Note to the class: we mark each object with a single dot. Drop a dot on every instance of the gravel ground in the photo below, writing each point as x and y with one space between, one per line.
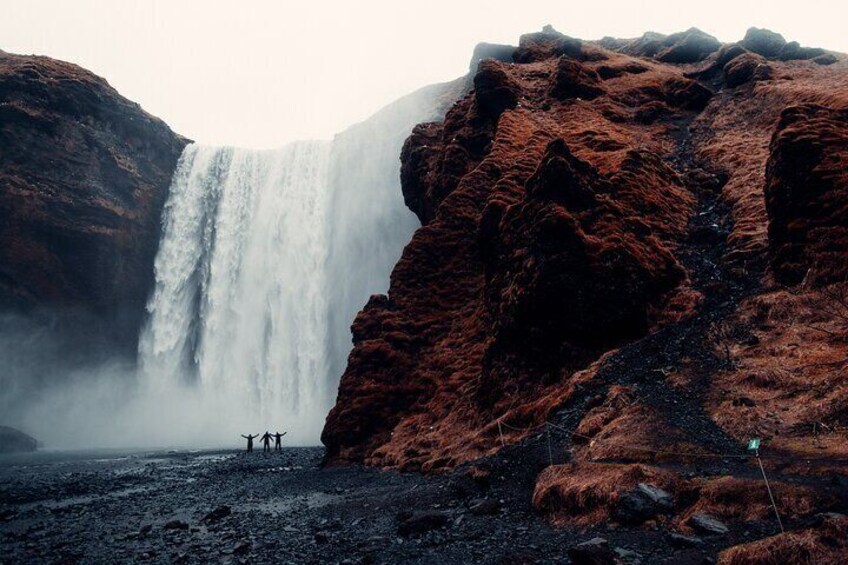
107 507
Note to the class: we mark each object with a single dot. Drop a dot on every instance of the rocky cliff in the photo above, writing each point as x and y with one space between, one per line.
84 174
633 251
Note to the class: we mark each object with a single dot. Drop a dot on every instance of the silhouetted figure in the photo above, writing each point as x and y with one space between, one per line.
278 446
250 439
266 442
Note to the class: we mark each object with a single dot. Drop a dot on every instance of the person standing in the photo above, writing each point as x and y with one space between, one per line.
278 446
250 439
266 442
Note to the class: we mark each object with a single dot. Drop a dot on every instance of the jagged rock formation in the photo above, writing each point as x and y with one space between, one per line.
550 228
605 226
84 174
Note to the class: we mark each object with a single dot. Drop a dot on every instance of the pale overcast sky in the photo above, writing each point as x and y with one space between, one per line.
261 73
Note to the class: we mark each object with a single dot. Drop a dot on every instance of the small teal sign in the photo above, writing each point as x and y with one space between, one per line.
753 444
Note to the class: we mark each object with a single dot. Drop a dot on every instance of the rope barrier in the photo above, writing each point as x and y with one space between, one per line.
768 488
548 425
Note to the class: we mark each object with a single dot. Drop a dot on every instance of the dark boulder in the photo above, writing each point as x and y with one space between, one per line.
679 540
763 42
826 59
484 506
217 514
707 524
411 523
729 52
793 50
690 46
642 503
595 551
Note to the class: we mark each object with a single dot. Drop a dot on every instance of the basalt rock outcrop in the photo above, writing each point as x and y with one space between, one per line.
634 252
84 174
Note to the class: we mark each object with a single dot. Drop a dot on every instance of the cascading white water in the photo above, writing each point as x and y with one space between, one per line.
239 308
265 258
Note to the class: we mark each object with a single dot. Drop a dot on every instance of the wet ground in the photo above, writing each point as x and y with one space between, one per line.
227 506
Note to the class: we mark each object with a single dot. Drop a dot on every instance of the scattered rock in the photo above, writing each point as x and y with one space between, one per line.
707 524
175 525
596 551
679 540
321 537
627 555
642 503
217 514
420 522
242 548
145 529
484 506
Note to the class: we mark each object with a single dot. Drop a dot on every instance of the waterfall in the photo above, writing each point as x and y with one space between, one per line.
240 305
265 258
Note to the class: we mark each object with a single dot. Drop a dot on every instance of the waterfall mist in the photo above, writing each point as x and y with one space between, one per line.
238 316
264 259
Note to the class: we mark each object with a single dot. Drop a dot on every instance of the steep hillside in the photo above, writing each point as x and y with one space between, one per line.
84 174
633 251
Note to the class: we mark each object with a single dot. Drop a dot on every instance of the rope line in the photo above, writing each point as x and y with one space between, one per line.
771 496
548 425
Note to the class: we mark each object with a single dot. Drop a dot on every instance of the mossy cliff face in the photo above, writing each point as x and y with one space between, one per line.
84 174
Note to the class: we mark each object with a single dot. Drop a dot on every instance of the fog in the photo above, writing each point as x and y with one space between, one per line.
264 259
263 73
